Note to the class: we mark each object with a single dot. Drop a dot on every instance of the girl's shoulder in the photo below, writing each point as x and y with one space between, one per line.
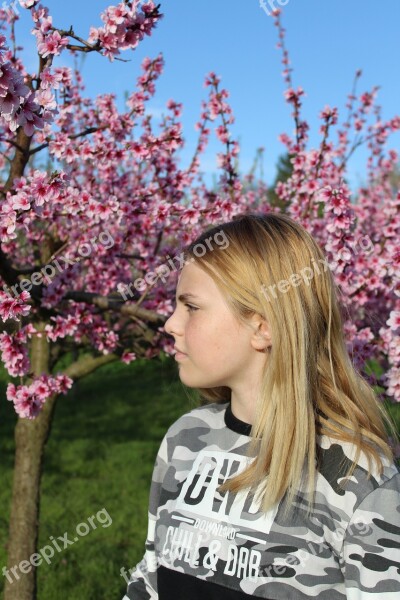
336 457
199 420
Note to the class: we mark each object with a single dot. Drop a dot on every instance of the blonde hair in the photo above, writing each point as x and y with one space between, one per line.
309 386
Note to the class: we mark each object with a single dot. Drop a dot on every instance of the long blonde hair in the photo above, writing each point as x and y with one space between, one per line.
310 386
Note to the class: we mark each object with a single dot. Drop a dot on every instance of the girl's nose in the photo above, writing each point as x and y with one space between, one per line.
168 324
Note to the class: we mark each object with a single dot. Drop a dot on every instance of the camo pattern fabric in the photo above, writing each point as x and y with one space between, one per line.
349 547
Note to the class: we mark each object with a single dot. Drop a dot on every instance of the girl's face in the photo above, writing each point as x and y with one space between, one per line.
219 350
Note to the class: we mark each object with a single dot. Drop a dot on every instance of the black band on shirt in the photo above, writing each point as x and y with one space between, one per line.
175 585
234 423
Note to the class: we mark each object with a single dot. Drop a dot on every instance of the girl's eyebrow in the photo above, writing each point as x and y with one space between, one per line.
186 296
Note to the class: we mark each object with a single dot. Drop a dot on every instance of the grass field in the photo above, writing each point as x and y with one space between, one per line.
100 455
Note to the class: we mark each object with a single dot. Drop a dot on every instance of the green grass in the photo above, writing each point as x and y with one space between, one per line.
101 452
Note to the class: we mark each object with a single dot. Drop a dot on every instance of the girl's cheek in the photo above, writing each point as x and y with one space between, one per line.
192 329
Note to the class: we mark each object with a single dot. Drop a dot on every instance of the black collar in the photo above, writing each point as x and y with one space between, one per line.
236 424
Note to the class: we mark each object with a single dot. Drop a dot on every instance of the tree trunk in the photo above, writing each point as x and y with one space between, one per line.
30 441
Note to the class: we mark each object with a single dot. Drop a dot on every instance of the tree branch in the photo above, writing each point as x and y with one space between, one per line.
86 47
71 137
87 364
117 304
12 143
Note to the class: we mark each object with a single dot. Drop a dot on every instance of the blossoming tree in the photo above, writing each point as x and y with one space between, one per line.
112 203
361 237
115 202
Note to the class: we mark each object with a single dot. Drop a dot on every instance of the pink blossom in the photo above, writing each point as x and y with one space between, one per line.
20 202
29 399
124 27
128 357
45 25
8 220
14 353
93 35
12 91
126 177
29 116
13 308
393 382
60 384
222 133
176 107
367 99
293 96
329 114
118 13
63 327
190 217
211 80
27 405
46 98
394 320
28 3
53 44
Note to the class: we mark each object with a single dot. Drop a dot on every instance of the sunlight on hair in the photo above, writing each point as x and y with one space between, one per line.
310 387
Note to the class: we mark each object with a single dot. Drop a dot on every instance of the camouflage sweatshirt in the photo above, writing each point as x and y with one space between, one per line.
218 546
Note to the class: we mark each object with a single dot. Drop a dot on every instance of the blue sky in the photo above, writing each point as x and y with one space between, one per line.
327 42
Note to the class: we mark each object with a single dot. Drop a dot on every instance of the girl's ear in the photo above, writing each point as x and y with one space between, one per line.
261 337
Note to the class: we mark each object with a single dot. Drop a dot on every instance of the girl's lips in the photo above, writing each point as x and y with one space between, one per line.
179 355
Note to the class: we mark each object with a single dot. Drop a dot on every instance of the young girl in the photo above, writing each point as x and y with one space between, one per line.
281 484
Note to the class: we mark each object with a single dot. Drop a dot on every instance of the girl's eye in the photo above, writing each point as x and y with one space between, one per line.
190 307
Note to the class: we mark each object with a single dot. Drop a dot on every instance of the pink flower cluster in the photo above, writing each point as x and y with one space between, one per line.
13 91
14 352
124 27
53 79
116 171
317 196
216 107
49 41
51 44
28 3
31 192
62 327
29 399
14 307
391 338
128 357
19 106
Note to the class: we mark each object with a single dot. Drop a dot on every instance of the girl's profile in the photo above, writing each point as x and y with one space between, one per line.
281 482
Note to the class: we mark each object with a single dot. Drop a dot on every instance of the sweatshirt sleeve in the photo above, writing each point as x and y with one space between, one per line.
371 548
143 578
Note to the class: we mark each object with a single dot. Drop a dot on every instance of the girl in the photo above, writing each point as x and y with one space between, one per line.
281 484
